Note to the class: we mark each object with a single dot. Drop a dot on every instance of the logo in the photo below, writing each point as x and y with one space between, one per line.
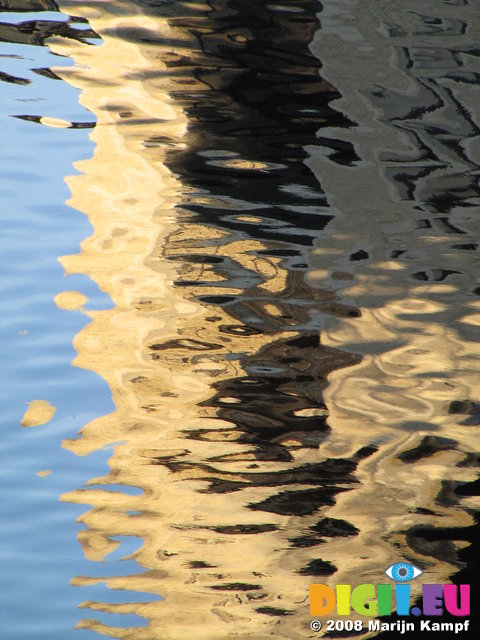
383 599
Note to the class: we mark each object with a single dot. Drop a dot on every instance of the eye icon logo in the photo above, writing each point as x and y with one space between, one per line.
403 572
376 600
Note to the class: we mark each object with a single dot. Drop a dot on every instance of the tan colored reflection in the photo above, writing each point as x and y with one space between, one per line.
159 351
213 579
39 412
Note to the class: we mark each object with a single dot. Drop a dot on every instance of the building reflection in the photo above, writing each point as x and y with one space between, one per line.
282 385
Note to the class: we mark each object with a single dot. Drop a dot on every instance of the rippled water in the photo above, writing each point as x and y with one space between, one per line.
277 285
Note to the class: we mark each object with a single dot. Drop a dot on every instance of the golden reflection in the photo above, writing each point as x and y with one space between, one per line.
213 560
39 412
44 474
230 559
56 123
70 300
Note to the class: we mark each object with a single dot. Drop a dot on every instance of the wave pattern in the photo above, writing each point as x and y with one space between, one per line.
403 248
277 200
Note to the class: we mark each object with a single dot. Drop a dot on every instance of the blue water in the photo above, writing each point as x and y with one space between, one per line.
39 551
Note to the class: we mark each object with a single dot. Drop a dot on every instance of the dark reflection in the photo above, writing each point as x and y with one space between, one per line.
7 77
286 378
47 73
427 447
254 99
436 121
36 32
20 6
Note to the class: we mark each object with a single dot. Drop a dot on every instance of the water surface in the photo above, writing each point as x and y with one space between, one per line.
281 200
